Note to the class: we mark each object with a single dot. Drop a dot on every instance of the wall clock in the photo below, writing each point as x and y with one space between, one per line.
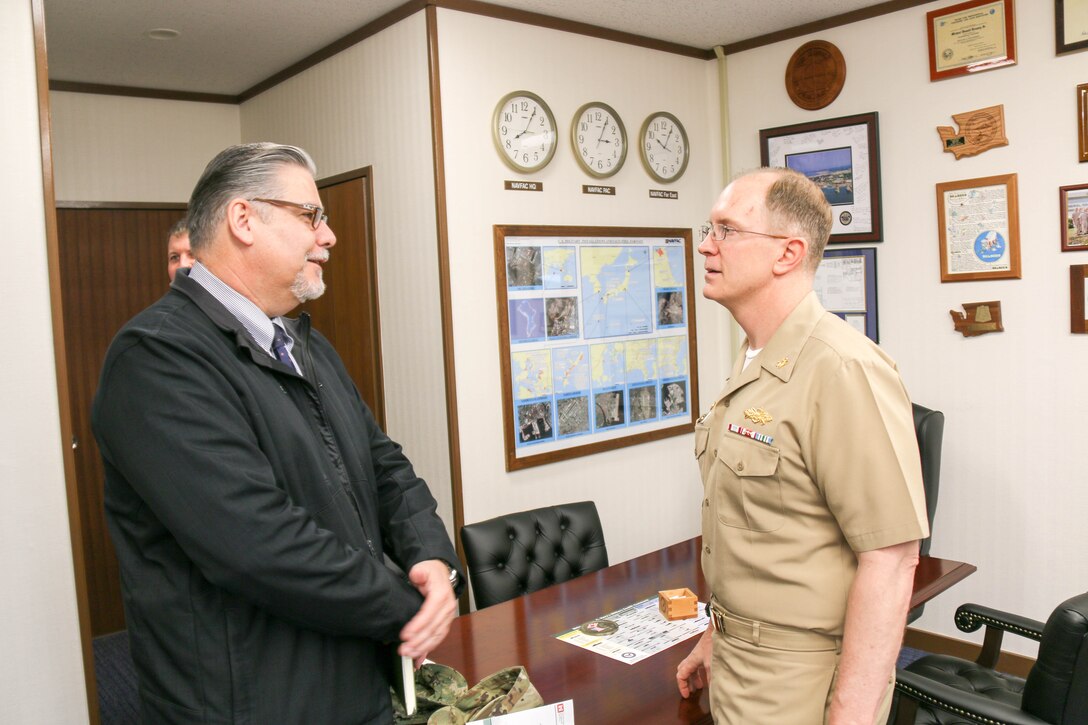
524 131
599 139
663 145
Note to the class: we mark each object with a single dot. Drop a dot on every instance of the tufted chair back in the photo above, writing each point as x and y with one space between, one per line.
1056 690
929 429
522 552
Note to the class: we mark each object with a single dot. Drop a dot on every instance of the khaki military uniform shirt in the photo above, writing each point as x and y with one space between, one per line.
808 456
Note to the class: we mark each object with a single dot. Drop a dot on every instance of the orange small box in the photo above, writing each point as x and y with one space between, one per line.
677 604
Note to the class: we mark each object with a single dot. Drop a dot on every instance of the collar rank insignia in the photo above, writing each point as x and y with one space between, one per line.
758 416
782 363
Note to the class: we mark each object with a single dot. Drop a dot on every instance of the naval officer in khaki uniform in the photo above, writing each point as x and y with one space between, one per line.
813 502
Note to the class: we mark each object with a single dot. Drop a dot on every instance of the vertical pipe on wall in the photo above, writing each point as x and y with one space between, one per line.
734 336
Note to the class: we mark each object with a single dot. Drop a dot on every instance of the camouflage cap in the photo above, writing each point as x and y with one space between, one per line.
444 698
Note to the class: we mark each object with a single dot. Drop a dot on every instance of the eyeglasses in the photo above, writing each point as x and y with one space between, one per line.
719 232
316 214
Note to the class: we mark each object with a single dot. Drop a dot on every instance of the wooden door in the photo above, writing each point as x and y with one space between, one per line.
347 313
112 265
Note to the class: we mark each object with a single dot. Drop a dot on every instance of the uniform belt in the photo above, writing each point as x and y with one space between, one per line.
770 635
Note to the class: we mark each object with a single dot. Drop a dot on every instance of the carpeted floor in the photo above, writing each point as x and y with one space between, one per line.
117 698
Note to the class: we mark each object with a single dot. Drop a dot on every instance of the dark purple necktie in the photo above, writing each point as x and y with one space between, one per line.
279 347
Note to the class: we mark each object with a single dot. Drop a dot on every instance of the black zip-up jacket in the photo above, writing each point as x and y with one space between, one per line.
250 508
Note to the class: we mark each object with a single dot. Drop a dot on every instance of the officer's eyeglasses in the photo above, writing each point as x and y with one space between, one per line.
719 232
316 214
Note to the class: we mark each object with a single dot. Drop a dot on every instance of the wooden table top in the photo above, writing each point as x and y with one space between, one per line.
522 632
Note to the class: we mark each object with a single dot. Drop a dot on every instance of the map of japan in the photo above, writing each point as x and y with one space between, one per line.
617 296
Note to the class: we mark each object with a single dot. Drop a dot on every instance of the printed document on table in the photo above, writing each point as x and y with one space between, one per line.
561 713
634 633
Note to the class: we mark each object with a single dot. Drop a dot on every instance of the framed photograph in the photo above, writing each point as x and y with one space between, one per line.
979 227
596 339
1082 120
1071 25
1078 298
970 37
842 155
1073 203
846 285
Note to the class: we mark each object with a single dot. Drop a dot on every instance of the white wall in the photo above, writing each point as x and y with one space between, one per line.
1012 497
648 495
369 106
41 671
114 148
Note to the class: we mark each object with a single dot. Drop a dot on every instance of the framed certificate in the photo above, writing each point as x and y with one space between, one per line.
1071 25
979 227
1082 120
970 37
842 156
846 285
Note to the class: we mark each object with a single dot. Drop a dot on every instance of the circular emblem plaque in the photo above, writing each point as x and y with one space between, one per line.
815 75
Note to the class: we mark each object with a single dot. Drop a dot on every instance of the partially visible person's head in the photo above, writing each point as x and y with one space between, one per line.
256 213
178 253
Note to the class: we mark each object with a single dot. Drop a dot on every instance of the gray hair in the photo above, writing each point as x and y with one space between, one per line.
181 226
247 170
797 206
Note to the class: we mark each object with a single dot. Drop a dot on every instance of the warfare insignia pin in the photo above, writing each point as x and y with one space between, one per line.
758 416
782 363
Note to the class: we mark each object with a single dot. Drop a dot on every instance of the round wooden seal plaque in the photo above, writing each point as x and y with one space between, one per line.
815 74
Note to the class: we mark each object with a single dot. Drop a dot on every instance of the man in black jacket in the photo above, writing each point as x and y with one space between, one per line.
250 494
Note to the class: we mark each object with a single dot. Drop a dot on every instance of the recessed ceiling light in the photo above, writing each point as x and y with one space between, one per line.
163 34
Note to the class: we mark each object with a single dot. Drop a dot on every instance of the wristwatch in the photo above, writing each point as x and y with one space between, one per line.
455 578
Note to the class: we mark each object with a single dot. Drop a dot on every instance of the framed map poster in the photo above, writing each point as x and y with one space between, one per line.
596 338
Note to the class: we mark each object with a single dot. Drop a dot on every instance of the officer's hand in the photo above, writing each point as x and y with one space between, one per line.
429 627
693 673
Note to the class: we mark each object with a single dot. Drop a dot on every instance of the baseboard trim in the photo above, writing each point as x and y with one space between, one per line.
1008 662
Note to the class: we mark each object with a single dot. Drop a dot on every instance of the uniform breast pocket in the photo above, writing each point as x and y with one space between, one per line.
750 492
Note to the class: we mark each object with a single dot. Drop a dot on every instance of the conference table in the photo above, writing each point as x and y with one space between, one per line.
522 632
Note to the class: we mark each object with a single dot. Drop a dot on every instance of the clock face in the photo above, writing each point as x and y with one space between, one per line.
524 131
664 147
599 139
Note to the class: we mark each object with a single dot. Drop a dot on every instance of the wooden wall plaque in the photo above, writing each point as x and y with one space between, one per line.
815 75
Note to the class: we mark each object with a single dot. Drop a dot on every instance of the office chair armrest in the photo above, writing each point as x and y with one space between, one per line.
970 706
969 617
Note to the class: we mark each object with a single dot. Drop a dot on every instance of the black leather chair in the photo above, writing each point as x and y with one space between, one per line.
945 690
929 429
522 552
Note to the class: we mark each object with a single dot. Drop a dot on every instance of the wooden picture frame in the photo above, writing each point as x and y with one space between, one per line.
1078 299
971 37
846 285
978 222
1070 25
597 339
1082 121
850 147
1073 208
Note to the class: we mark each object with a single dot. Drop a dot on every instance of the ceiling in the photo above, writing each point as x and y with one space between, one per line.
229 47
